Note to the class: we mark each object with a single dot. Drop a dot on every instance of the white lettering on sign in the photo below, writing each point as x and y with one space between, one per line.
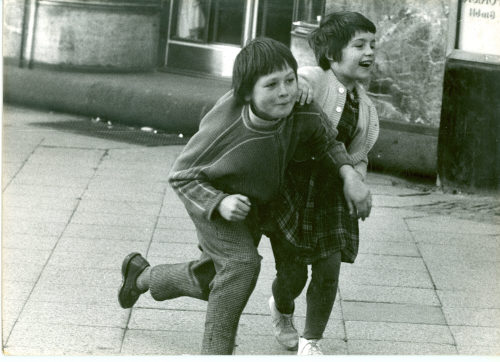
479 28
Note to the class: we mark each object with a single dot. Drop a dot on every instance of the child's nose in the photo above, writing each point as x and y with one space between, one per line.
283 90
369 50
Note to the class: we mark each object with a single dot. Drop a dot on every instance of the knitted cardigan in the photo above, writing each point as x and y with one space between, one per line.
330 95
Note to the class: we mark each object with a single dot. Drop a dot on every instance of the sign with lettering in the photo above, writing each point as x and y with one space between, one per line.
479 27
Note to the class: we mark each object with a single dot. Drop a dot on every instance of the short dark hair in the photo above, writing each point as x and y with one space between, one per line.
334 33
259 57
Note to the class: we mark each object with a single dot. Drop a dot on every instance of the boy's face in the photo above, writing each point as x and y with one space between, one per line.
273 95
358 58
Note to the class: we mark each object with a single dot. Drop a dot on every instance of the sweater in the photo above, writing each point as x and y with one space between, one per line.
231 154
330 94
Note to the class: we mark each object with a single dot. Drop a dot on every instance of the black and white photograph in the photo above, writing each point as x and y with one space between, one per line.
267 178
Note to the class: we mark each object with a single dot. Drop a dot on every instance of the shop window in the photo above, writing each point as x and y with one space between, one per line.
209 21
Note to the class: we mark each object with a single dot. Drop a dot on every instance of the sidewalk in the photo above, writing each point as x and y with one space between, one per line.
74 204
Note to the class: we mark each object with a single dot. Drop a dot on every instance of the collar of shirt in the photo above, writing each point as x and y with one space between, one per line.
258 124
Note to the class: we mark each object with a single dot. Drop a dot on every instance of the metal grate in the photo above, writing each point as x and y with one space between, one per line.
117 132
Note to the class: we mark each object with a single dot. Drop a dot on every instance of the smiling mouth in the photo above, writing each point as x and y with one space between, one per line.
366 63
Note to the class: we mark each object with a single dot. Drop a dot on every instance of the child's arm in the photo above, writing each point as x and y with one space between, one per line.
325 144
356 193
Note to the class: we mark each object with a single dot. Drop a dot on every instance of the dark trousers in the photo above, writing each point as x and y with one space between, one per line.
225 275
291 278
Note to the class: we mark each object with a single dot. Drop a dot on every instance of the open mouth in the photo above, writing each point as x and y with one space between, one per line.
366 63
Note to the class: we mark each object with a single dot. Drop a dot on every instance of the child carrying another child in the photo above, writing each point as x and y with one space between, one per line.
226 176
315 224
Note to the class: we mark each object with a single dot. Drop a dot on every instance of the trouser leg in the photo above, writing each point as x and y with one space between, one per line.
321 295
233 250
191 279
291 277
231 289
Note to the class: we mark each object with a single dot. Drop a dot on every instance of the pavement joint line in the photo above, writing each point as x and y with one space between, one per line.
53 248
402 341
75 148
417 245
22 165
165 193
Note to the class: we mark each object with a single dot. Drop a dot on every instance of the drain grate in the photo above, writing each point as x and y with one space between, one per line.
116 132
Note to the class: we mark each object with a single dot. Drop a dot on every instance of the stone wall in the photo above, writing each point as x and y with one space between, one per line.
412 38
12 28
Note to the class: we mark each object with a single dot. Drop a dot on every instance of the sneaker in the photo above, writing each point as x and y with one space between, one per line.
309 347
284 331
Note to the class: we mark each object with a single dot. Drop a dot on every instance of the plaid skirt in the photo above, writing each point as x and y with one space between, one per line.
311 218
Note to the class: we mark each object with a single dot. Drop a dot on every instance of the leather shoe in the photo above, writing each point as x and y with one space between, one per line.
133 265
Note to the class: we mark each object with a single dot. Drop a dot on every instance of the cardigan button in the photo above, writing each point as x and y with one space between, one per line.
338 109
341 90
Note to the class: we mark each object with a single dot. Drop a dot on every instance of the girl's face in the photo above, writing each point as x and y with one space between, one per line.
358 58
273 95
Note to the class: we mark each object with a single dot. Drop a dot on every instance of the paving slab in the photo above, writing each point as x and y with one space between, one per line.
466 299
174 235
57 339
179 251
119 207
479 350
414 264
454 275
386 276
476 336
54 215
74 275
384 235
165 343
98 218
31 242
456 239
39 228
471 254
86 260
20 272
101 246
74 294
46 191
383 294
388 248
16 290
65 156
109 232
70 315
175 223
16 256
392 312
473 317
367 347
402 332
50 180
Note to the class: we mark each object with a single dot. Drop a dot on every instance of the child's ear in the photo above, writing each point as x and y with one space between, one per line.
248 98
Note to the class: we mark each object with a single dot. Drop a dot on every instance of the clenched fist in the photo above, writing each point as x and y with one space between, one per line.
234 207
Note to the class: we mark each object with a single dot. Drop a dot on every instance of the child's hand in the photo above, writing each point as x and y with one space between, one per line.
357 195
305 93
234 207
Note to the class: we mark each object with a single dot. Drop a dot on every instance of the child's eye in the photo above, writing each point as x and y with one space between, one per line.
290 80
271 85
